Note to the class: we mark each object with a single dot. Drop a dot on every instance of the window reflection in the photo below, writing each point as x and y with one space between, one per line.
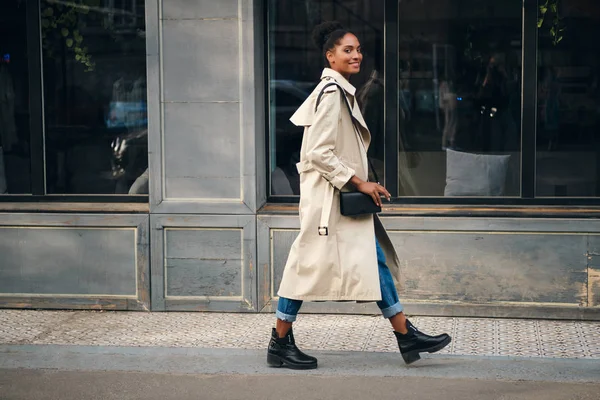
568 140
15 165
95 96
459 97
295 69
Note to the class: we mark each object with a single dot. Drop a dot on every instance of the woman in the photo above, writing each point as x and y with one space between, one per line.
335 257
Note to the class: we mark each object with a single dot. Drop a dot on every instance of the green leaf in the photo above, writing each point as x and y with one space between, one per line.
540 22
64 32
69 42
543 10
554 7
553 31
559 39
78 57
79 39
48 12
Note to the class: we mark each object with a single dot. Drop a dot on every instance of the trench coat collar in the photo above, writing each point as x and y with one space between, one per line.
351 90
304 115
339 78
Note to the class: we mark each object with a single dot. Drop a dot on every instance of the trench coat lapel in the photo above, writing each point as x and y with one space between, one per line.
350 93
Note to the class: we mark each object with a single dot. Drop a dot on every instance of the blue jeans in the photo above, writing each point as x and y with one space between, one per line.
287 309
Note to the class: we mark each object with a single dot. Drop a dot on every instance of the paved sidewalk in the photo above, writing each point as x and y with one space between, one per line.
471 336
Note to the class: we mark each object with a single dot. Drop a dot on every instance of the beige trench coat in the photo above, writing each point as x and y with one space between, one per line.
341 265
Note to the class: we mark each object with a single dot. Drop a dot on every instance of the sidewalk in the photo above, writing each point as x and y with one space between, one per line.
352 333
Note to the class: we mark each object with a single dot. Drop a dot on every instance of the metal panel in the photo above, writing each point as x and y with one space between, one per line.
204 263
252 92
268 268
153 71
567 225
529 98
203 151
208 207
483 267
201 60
392 127
497 267
36 100
194 9
593 256
74 261
281 242
77 261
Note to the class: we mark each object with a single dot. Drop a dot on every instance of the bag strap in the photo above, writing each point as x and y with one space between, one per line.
349 111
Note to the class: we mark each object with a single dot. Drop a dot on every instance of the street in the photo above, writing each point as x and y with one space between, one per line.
123 373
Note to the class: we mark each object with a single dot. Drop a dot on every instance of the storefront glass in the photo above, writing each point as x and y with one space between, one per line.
459 95
568 128
15 158
73 110
94 61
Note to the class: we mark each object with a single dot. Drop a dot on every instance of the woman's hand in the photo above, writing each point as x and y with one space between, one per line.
372 189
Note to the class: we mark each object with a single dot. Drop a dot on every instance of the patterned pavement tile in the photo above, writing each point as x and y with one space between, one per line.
471 336
19 327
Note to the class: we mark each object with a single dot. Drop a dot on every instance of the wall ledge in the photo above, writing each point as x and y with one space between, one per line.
401 210
7 207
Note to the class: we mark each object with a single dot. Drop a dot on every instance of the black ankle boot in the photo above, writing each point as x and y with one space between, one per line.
415 342
284 353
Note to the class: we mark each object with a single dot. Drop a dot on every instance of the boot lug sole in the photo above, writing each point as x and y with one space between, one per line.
278 362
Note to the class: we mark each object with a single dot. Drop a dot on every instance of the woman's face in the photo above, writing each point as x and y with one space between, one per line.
346 56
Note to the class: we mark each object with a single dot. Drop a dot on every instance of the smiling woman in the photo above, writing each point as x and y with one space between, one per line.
339 256
341 49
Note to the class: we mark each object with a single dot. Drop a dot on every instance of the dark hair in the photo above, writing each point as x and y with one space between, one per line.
326 35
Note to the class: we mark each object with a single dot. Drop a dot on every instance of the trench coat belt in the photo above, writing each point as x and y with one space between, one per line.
304 166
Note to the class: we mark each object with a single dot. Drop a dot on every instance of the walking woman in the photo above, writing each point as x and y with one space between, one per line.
335 257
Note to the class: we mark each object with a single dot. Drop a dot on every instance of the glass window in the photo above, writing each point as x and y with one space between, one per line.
459 94
568 122
295 69
15 161
95 111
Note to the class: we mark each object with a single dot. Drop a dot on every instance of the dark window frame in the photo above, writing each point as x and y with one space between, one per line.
37 128
529 85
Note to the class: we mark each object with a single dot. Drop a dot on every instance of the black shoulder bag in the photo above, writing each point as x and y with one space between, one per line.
354 203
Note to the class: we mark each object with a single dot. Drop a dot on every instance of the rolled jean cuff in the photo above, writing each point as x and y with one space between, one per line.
392 310
285 317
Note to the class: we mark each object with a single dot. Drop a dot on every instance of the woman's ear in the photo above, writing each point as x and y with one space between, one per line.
330 57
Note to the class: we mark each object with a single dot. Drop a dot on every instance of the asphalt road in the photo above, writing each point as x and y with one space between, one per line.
63 385
73 372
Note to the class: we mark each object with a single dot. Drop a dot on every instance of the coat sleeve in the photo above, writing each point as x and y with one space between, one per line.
321 141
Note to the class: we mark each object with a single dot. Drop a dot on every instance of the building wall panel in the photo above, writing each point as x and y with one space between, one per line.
74 261
204 262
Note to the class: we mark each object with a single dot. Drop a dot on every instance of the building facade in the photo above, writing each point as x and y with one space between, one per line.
148 161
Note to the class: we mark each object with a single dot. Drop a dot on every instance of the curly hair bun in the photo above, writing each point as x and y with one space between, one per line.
323 30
